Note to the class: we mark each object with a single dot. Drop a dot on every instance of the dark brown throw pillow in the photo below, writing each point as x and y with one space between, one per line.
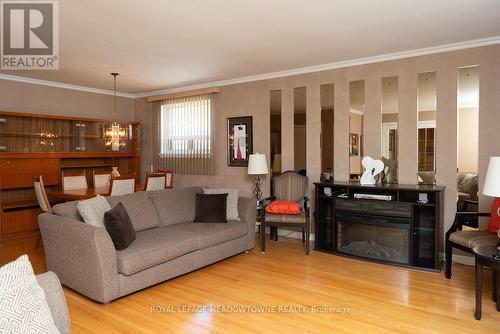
119 226
210 208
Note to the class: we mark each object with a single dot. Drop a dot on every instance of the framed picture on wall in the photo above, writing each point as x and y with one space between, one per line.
353 144
239 141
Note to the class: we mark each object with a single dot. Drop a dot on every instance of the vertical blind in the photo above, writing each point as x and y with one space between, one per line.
182 135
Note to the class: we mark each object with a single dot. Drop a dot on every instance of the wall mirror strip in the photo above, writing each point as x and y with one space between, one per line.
326 137
299 129
356 114
467 138
390 119
275 121
426 125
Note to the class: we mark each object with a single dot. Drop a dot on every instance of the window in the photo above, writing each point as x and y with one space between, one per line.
186 127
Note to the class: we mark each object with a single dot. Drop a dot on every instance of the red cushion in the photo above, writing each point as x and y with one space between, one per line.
494 223
284 208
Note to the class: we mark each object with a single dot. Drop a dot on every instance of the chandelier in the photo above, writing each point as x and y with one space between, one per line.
115 136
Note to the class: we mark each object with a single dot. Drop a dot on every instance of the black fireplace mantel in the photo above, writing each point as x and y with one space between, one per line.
403 231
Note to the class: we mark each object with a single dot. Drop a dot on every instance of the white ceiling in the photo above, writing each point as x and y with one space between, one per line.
167 44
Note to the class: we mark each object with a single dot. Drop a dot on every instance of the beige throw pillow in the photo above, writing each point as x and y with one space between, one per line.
92 210
233 195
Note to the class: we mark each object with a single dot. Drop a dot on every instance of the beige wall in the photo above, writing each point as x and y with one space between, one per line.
253 99
37 99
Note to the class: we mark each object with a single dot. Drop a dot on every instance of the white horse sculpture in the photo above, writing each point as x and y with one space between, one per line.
372 168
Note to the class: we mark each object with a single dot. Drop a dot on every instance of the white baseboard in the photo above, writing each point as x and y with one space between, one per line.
290 234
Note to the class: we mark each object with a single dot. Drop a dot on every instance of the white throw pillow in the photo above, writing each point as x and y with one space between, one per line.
232 212
24 307
92 210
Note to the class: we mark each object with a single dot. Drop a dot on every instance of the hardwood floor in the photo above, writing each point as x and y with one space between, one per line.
381 299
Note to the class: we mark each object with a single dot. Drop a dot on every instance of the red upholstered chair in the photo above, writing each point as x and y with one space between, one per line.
289 186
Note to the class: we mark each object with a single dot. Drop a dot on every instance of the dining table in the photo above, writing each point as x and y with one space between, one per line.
84 193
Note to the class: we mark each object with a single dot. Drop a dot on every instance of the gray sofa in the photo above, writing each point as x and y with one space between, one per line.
55 298
168 243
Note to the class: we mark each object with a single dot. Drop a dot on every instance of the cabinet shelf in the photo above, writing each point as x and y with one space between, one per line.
87 166
430 205
41 136
19 204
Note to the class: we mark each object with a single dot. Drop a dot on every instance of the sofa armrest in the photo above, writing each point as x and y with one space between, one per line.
83 256
55 298
247 210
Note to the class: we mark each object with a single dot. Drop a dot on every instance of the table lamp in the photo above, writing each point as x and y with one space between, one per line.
257 165
492 182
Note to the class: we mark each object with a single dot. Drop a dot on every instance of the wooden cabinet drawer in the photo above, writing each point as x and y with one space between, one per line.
20 220
19 173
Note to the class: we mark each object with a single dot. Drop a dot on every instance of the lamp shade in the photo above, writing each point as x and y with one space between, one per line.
492 181
257 164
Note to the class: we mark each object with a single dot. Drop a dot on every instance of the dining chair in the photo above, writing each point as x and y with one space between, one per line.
77 180
43 200
102 179
155 181
122 185
41 195
289 186
169 177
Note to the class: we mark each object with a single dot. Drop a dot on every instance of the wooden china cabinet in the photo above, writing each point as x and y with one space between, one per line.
32 144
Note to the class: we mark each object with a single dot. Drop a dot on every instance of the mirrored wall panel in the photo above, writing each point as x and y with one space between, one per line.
327 119
356 114
275 112
468 137
390 119
426 124
299 129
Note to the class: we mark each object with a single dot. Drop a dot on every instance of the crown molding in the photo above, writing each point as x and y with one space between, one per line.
331 66
63 85
272 75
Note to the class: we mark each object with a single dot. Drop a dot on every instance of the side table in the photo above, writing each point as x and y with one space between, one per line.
485 258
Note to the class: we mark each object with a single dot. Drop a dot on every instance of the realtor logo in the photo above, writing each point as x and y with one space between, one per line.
29 35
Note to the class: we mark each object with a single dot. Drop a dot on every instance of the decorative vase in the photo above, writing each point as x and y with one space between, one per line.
115 172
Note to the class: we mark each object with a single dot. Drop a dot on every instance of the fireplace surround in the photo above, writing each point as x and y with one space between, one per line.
400 231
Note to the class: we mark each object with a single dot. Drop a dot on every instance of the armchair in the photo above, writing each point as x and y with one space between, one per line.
468 239
289 186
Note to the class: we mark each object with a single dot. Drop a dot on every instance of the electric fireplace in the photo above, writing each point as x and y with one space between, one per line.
378 238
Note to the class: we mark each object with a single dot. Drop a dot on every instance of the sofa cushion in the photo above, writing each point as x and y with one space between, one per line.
119 227
140 208
154 246
473 238
468 183
210 234
68 210
211 208
175 205
92 210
